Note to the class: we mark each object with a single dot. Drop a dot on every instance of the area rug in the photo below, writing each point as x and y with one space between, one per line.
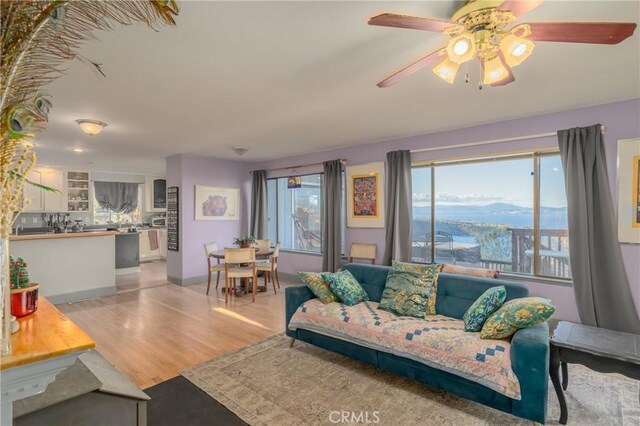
269 383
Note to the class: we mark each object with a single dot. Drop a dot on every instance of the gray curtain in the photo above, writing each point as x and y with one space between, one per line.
599 280
259 205
119 197
332 216
398 207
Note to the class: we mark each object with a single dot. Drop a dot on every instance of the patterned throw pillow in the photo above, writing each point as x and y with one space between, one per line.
318 286
517 314
408 293
422 268
483 307
464 270
345 287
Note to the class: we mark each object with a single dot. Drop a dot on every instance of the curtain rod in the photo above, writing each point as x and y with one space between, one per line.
489 142
342 160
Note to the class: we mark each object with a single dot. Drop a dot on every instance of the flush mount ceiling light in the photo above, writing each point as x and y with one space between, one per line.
91 127
483 29
78 150
240 150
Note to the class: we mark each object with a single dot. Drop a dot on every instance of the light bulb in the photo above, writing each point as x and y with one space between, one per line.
494 71
446 70
515 49
461 47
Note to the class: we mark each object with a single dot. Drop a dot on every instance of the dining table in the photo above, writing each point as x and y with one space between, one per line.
261 253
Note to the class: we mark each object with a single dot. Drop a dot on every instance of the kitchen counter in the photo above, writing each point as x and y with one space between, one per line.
47 236
69 267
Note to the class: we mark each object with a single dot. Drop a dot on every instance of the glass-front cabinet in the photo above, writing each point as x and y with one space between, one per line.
78 191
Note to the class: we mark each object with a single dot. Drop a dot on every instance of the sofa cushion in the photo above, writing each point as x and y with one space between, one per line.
465 270
409 293
318 286
483 307
437 341
424 268
517 314
345 287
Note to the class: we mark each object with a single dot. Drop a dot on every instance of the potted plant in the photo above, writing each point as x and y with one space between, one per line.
24 294
244 242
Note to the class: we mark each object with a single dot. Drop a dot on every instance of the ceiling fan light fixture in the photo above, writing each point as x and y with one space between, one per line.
494 71
462 48
446 70
515 49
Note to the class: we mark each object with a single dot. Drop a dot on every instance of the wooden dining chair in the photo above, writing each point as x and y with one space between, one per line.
270 268
209 249
239 263
363 251
262 244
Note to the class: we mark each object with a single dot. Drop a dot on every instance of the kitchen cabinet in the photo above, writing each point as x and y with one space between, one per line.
54 201
145 246
33 194
162 241
43 201
156 189
78 192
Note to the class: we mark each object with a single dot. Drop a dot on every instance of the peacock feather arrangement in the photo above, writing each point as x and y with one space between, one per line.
36 38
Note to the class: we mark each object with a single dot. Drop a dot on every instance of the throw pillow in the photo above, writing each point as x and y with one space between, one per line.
345 287
423 268
318 286
516 314
408 293
464 270
483 308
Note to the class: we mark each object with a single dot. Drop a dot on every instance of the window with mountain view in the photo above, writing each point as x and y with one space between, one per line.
294 215
487 214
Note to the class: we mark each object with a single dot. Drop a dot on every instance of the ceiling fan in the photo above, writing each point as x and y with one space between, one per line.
479 30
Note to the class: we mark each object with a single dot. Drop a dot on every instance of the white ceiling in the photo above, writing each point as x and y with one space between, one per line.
286 78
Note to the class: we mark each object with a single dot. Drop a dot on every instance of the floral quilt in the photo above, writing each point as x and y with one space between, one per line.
437 341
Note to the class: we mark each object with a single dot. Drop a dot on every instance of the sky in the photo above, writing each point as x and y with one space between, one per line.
509 181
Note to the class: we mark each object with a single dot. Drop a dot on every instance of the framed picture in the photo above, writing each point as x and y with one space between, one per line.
365 196
294 182
629 191
214 203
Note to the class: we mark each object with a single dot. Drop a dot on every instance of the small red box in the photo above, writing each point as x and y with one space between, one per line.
24 301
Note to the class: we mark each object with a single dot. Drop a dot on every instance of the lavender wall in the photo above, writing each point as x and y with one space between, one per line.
188 266
620 119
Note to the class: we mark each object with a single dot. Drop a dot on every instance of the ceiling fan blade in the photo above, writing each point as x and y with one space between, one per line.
581 32
407 71
411 22
520 7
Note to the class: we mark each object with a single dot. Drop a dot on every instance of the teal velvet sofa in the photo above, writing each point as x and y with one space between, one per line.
529 347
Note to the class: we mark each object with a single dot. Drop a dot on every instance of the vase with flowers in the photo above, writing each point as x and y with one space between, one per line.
244 242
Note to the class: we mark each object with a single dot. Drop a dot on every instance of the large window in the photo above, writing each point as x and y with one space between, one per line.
505 213
294 215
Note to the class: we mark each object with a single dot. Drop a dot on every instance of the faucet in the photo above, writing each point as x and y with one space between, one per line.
19 228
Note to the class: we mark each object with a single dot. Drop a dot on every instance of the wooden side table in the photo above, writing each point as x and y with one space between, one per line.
599 349
46 344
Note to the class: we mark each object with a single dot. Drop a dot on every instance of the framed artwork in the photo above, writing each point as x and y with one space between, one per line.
214 203
294 182
629 191
365 195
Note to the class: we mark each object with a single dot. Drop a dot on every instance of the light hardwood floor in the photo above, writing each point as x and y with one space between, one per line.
152 333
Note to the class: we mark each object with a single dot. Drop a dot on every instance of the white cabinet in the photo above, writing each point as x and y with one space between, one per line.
146 253
162 240
54 201
33 194
79 192
43 201
156 194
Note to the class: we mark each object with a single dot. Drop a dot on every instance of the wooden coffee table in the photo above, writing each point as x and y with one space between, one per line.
599 349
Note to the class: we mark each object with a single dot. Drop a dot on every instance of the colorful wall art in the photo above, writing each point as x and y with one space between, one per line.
629 191
365 195
213 203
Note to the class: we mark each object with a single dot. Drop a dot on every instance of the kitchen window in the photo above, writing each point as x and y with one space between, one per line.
103 216
507 213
